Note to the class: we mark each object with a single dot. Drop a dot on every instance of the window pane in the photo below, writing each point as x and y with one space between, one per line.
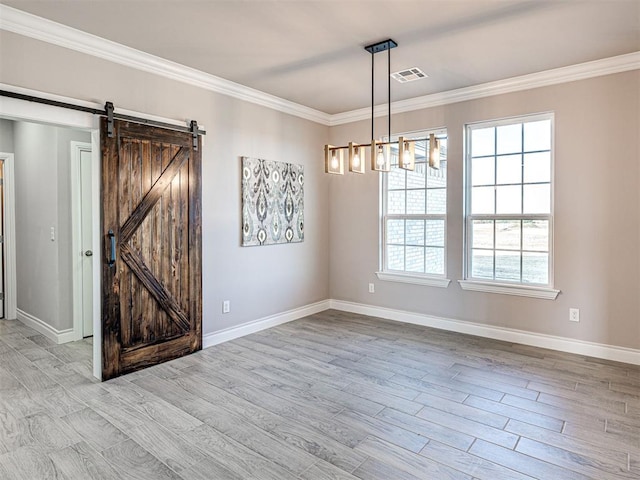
435 261
535 268
483 171
482 142
509 169
482 232
537 198
395 231
535 235
393 159
437 178
395 257
507 265
435 233
395 179
416 178
508 199
415 202
537 167
436 201
508 234
415 232
509 138
395 202
482 200
482 264
537 136
415 259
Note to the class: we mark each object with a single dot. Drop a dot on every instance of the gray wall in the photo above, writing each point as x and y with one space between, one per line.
259 281
6 136
43 191
597 215
36 187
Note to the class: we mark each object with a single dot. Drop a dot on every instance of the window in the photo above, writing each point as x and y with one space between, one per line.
414 209
509 207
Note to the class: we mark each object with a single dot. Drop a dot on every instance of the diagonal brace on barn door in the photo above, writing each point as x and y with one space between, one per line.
155 288
151 198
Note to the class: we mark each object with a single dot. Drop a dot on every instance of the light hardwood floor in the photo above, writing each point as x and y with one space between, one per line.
331 396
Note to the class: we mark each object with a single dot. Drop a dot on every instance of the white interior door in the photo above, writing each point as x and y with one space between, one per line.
86 242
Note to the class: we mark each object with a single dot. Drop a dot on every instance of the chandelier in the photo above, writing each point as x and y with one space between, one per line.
380 152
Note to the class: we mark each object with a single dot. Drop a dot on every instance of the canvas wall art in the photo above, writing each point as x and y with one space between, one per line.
272 202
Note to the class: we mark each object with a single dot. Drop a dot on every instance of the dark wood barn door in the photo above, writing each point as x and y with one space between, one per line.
152 279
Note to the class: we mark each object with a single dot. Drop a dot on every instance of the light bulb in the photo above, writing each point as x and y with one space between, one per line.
407 152
334 161
380 158
356 158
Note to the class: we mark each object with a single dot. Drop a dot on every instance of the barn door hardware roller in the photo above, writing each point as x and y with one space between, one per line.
194 134
108 111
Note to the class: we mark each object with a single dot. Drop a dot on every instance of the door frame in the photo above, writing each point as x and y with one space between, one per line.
76 237
9 232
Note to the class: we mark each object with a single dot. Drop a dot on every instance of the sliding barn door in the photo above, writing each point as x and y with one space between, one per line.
152 287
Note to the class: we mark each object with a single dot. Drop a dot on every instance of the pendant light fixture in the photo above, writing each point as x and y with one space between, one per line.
380 151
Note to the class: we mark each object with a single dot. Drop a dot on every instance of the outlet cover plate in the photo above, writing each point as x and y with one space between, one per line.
574 314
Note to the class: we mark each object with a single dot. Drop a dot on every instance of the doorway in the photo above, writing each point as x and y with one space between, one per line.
82 238
23 111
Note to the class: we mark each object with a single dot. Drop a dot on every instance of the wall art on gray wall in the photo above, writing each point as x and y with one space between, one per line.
272 202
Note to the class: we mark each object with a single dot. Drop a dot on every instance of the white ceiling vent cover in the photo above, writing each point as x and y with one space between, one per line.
409 75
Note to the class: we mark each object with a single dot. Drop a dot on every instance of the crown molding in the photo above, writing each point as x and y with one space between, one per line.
26 24
581 71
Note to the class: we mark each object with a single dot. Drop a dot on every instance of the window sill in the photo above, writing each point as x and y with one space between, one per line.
414 279
506 289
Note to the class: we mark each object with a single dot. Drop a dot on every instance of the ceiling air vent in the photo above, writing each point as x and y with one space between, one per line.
409 75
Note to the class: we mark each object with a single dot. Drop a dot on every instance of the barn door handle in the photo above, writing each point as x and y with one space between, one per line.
112 249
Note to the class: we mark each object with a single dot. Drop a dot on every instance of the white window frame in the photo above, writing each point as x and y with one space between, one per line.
544 291
415 278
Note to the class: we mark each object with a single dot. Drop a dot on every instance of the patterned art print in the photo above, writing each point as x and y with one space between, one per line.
272 202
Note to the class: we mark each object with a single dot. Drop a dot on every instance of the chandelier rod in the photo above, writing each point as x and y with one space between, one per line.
372 91
389 90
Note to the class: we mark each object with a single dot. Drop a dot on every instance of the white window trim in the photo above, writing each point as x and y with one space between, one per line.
500 287
431 280
415 279
545 293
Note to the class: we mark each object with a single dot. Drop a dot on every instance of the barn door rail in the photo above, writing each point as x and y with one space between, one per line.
109 112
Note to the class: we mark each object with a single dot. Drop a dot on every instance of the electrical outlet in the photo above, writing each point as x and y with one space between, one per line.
372 288
226 306
574 314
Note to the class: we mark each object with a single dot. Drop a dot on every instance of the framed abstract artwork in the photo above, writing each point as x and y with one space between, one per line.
272 202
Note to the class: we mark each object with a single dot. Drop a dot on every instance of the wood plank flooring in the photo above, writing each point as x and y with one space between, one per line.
333 396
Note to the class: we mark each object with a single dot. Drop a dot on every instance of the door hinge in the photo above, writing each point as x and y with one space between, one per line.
1 238
2 296
1 181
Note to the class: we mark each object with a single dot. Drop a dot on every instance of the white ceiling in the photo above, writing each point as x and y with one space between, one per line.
311 51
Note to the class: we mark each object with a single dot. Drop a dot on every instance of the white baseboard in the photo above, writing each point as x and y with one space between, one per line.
210 339
598 350
58 336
